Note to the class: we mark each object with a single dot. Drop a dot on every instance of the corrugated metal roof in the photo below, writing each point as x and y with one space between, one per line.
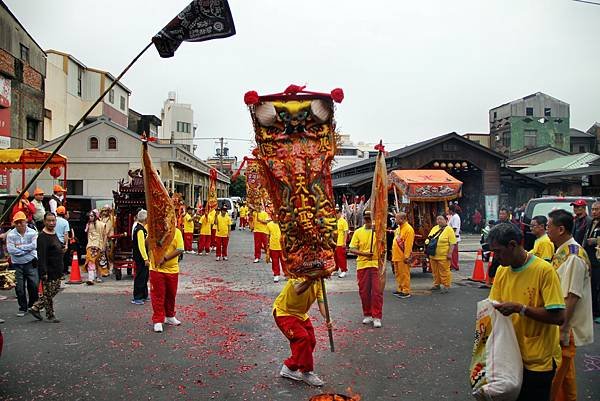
562 163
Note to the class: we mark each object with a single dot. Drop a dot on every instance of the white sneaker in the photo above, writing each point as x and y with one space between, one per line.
342 275
312 379
172 321
256 260
290 374
367 320
218 258
225 258
275 279
158 328
377 323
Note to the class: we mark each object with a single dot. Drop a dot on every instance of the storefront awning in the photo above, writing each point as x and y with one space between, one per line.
425 185
28 159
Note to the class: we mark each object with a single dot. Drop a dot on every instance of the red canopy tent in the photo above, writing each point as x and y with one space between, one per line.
24 159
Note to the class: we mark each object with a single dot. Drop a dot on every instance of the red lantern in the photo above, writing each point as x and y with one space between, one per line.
55 172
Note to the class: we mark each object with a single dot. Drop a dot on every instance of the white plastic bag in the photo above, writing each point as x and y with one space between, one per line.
496 369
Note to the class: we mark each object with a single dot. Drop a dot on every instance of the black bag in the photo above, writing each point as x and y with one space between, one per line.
432 245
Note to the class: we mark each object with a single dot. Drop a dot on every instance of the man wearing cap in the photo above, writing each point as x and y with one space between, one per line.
57 199
581 219
40 210
21 243
223 223
62 230
367 272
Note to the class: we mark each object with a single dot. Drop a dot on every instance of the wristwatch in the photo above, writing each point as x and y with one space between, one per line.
523 309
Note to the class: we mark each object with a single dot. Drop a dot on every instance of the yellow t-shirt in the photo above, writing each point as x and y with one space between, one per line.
288 303
258 226
188 224
243 211
444 240
543 248
171 265
361 240
205 223
223 225
534 284
404 234
342 229
274 236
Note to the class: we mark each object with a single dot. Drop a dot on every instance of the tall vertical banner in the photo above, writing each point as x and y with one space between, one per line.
296 142
256 191
161 209
379 210
491 207
211 202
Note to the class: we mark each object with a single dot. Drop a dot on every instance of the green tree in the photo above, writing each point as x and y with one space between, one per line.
238 186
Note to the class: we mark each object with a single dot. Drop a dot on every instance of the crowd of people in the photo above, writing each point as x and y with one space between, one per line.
551 292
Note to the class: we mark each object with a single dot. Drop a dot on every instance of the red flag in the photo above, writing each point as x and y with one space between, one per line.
201 20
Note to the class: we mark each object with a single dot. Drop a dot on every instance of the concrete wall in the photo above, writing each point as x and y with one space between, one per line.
172 113
553 132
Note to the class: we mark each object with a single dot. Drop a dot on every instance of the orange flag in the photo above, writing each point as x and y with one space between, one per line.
379 210
161 210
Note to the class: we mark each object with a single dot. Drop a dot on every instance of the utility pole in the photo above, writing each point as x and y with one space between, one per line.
221 155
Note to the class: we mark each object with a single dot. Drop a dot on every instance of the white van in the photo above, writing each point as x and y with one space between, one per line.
228 202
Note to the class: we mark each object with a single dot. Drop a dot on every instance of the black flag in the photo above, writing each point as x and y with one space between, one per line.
201 20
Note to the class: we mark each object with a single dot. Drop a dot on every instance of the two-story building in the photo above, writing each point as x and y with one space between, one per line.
103 152
22 72
531 122
72 88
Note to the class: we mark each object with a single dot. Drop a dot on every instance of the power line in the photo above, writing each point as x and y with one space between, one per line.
587 2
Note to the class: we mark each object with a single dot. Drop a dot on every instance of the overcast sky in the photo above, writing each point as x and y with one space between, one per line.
410 70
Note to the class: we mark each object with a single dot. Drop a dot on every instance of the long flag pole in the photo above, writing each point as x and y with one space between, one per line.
327 317
66 137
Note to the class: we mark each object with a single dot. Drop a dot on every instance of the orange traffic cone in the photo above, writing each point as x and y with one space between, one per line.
40 288
75 277
478 272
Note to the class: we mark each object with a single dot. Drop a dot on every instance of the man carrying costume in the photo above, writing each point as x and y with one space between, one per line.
223 223
205 229
404 237
275 247
367 264
290 311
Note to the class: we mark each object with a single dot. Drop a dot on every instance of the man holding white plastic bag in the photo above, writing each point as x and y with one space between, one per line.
573 267
527 288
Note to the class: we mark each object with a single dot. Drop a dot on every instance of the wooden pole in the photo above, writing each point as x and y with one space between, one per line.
327 317
396 199
67 136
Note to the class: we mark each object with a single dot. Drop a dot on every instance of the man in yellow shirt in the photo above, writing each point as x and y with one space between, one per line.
188 230
260 233
290 313
404 238
527 288
440 261
205 231
275 247
573 267
164 275
243 216
543 248
223 222
341 263
367 272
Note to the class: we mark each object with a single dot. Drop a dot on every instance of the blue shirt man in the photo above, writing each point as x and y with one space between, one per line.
21 243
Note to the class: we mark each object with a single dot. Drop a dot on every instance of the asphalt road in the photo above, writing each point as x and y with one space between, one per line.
228 347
